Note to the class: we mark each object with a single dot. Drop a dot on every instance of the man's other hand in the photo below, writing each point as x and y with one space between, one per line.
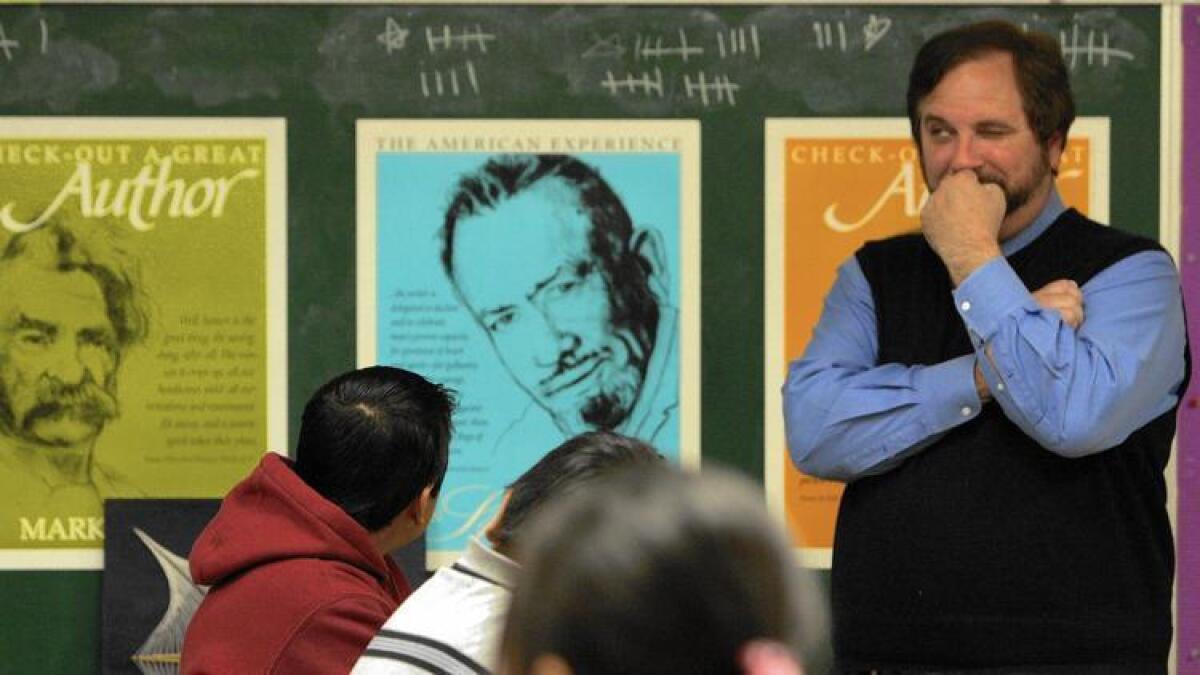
1064 297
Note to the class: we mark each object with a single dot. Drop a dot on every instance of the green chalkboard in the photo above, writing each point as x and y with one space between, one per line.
323 67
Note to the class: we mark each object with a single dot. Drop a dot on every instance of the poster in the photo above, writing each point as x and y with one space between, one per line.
564 299
142 328
833 184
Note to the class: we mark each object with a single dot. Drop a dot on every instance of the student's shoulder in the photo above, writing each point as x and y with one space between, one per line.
332 635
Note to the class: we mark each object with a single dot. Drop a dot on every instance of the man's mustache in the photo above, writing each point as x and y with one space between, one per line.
571 359
566 363
86 401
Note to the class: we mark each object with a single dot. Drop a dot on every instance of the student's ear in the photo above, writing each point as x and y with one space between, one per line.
408 524
493 525
420 509
549 664
647 244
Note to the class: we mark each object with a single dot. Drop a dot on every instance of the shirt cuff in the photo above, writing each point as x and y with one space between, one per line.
989 295
950 387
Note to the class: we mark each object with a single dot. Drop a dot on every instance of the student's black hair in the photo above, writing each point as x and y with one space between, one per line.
561 471
372 439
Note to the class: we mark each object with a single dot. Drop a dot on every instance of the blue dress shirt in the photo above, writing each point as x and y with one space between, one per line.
1076 392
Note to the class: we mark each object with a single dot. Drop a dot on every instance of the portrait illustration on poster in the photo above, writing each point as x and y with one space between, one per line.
833 184
537 269
72 309
128 369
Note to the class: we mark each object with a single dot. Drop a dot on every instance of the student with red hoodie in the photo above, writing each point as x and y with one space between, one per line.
297 555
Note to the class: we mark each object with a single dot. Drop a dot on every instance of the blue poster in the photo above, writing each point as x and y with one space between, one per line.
543 286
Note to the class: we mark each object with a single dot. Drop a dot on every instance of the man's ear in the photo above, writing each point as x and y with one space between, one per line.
408 524
493 525
1055 146
647 244
420 509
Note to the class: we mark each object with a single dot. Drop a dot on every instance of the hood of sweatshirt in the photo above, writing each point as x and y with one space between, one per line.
273 516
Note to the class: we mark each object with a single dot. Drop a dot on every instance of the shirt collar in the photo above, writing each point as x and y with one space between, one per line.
484 560
1050 212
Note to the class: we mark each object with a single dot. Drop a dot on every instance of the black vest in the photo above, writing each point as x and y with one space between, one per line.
985 549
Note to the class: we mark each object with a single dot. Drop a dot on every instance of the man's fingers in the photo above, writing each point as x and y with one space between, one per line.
994 190
1065 297
1065 286
963 176
1072 314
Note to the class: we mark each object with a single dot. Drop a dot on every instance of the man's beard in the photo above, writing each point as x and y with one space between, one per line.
607 410
610 406
1015 196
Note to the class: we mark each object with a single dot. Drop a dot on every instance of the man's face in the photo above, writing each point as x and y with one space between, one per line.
58 356
974 120
527 272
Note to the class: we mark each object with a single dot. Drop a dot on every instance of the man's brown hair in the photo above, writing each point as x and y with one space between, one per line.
1038 65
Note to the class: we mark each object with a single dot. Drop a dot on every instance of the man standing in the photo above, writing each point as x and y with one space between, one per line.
69 309
453 622
298 554
999 391
572 297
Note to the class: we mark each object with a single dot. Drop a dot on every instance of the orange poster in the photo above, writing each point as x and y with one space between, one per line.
832 185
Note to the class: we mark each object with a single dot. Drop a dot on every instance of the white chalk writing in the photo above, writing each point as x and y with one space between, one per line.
394 37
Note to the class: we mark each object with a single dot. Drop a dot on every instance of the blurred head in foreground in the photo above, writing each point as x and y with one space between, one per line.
660 571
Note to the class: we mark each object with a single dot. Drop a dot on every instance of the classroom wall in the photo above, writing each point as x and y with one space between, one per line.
317 70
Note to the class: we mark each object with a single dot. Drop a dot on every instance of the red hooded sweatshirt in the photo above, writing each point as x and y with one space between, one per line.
297 586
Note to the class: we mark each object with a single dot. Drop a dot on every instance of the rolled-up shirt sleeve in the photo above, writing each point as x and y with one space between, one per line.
1078 392
847 417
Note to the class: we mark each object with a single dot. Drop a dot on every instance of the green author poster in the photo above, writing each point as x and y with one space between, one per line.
142 336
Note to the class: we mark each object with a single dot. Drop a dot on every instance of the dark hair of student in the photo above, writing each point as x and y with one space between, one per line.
561 471
372 439
1041 73
658 571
